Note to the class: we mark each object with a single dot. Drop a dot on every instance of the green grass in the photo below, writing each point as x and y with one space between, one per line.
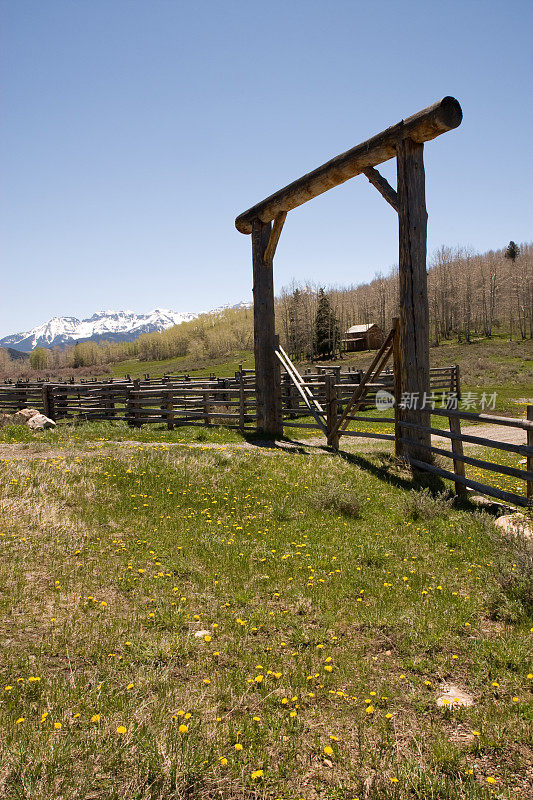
222 368
339 598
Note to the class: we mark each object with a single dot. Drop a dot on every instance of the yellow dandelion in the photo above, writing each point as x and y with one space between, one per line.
183 728
121 730
328 750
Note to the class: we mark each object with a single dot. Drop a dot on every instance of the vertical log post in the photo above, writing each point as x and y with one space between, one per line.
267 368
457 449
397 377
458 381
207 408
170 409
414 307
48 402
530 458
242 399
331 410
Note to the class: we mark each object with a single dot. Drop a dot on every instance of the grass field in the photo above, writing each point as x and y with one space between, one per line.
245 622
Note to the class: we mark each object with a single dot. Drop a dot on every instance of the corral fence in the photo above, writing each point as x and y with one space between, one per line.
177 400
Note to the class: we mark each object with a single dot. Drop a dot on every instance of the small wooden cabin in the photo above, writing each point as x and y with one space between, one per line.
363 337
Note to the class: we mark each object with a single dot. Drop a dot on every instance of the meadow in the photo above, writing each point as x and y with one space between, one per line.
206 617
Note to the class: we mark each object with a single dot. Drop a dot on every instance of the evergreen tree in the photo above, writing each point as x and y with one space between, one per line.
512 251
327 336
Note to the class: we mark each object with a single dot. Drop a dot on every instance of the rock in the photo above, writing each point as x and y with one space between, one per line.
516 525
5 419
21 417
39 421
201 634
453 697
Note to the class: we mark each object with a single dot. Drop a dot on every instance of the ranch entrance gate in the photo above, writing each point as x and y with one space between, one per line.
264 221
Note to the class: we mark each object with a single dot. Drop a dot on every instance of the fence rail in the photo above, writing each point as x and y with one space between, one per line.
177 400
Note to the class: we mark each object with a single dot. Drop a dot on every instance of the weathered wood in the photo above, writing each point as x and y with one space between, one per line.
530 457
507 422
274 237
421 127
490 466
267 369
466 437
383 186
331 411
457 449
414 306
378 364
397 376
507 497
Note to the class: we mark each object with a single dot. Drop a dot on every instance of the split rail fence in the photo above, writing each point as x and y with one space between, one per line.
180 400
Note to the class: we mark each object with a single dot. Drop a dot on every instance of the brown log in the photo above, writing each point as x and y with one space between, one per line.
397 364
267 369
421 127
458 461
274 237
414 306
383 186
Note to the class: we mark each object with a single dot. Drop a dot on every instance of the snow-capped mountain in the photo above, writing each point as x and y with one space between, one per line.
113 326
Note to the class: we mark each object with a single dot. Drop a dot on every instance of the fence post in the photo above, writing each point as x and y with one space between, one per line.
207 408
48 402
331 410
457 386
457 449
397 378
242 399
530 458
170 410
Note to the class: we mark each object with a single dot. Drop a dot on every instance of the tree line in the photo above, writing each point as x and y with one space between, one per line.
470 295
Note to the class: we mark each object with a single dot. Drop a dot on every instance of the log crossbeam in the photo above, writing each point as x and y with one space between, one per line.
383 186
419 128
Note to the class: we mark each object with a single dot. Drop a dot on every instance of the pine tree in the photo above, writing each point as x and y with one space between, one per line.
326 339
512 251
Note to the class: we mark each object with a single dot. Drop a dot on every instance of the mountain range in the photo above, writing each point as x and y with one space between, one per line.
112 326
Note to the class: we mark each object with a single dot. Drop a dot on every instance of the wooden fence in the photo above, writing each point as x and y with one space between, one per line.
179 400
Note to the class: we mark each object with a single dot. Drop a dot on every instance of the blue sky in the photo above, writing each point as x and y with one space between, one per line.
134 131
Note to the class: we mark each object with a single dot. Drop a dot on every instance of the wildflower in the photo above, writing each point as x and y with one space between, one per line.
57 726
238 746
183 728
490 779
223 761
328 750
121 729
476 733
95 718
369 709
20 719
129 686
256 774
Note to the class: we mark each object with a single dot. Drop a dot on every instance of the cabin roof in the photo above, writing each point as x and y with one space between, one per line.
361 328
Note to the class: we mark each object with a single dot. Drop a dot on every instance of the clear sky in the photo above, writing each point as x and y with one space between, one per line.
134 131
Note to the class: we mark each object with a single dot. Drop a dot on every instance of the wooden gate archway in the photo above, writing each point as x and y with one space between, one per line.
264 221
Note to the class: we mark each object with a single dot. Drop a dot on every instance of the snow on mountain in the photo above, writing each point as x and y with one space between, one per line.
113 326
